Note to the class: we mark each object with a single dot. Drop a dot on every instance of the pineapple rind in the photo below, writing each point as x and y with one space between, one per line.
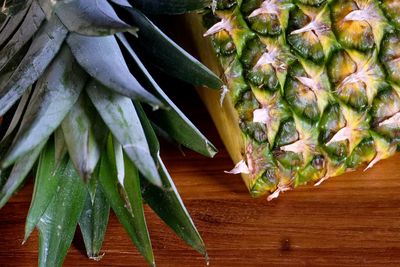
330 104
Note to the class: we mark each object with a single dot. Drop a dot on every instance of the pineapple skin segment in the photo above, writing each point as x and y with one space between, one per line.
313 86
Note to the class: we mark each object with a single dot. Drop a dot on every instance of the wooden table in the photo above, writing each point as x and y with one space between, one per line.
351 220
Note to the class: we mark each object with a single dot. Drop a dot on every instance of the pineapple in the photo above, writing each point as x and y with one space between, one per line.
72 106
313 86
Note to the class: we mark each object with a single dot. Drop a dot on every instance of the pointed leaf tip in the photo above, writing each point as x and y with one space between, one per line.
102 58
169 56
119 113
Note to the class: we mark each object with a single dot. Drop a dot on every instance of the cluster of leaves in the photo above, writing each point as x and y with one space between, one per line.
75 106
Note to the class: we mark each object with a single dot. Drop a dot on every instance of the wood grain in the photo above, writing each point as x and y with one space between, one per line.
350 220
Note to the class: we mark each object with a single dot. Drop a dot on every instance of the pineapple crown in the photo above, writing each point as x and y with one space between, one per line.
72 84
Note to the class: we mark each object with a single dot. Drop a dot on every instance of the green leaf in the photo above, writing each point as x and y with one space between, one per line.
148 130
182 130
46 182
94 219
4 176
119 204
58 223
167 203
60 146
170 6
18 174
124 3
102 58
169 56
119 161
3 18
160 133
17 115
55 94
28 28
96 17
121 118
4 22
80 137
172 120
43 49
8 70
133 197
13 23
169 207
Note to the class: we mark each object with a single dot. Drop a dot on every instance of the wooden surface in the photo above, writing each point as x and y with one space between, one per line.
351 220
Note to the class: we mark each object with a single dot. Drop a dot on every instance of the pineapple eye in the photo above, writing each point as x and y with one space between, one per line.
318 162
354 94
245 109
301 98
269 178
386 104
312 2
252 53
358 88
385 113
392 10
306 92
223 43
264 16
331 122
287 134
224 4
309 33
341 66
314 171
390 56
260 65
356 23
363 153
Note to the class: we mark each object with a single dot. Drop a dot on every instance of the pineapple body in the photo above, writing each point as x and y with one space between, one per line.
315 85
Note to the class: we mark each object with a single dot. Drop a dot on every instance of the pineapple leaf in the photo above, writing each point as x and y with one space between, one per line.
3 22
109 182
182 130
12 24
167 203
170 7
119 161
52 100
46 182
91 17
124 3
11 7
7 71
58 223
80 137
60 146
120 116
151 137
44 47
172 120
28 28
18 174
94 219
17 115
169 57
102 58
133 196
